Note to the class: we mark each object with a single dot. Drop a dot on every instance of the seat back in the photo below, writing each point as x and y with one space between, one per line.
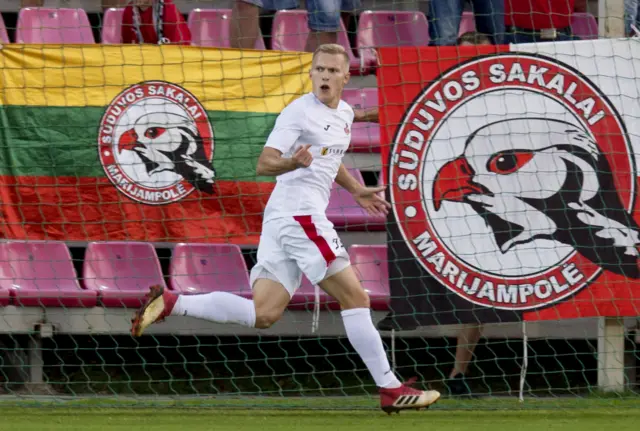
467 23
4 37
361 97
341 201
211 27
121 266
584 25
370 263
203 268
37 266
290 31
47 25
111 32
392 28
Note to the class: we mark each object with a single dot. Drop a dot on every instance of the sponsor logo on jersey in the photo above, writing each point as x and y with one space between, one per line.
513 182
332 151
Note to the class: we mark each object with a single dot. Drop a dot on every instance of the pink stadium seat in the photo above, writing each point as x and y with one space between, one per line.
345 213
467 23
111 32
290 31
584 25
121 272
211 27
4 37
370 265
365 137
41 274
203 268
389 28
45 25
304 298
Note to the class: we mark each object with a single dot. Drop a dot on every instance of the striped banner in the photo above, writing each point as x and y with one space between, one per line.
153 143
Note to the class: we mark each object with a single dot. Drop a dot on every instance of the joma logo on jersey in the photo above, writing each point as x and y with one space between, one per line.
513 182
333 151
156 143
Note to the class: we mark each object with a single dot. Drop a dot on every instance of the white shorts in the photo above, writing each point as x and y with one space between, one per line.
292 246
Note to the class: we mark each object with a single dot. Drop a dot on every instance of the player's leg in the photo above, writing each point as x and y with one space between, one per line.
318 251
343 285
270 297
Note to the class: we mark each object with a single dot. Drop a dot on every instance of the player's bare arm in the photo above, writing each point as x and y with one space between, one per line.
271 163
366 197
368 115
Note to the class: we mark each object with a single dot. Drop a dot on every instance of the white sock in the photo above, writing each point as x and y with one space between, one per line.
365 338
219 307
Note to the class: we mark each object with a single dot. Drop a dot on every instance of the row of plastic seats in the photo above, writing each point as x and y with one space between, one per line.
119 274
210 27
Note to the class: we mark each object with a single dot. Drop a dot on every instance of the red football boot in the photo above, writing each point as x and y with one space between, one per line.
406 397
158 305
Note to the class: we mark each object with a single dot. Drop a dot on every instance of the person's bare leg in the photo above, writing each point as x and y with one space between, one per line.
270 299
245 25
317 38
467 341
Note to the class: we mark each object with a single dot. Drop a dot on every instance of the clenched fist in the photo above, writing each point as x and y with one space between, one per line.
302 157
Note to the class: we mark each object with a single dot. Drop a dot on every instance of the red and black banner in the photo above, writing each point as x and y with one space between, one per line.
513 184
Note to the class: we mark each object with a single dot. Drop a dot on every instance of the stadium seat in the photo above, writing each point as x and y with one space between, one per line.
211 27
304 298
121 272
365 137
47 25
4 37
344 212
41 274
204 268
467 23
389 28
584 25
370 265
111 32
290 31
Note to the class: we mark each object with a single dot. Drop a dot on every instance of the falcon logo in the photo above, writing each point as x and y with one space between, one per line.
513 182
156 144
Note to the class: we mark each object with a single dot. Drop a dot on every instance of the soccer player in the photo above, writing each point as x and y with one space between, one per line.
304 151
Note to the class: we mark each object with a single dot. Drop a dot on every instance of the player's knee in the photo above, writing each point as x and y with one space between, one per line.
355 298
267 318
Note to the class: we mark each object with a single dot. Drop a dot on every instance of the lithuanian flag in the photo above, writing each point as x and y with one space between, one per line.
151 143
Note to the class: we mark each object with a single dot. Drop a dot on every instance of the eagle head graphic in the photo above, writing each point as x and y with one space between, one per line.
531 178
167 141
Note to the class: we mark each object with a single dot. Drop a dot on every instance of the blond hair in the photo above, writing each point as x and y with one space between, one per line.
333 49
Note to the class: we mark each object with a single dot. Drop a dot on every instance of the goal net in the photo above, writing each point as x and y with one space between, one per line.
508 265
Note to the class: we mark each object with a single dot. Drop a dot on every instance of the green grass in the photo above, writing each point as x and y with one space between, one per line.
264 420
352 414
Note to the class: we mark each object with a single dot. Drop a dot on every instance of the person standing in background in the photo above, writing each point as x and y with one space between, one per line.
445 17
155 22
470 333
631 16
530 21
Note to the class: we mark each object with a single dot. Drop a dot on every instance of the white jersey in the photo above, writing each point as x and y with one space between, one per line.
305 191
